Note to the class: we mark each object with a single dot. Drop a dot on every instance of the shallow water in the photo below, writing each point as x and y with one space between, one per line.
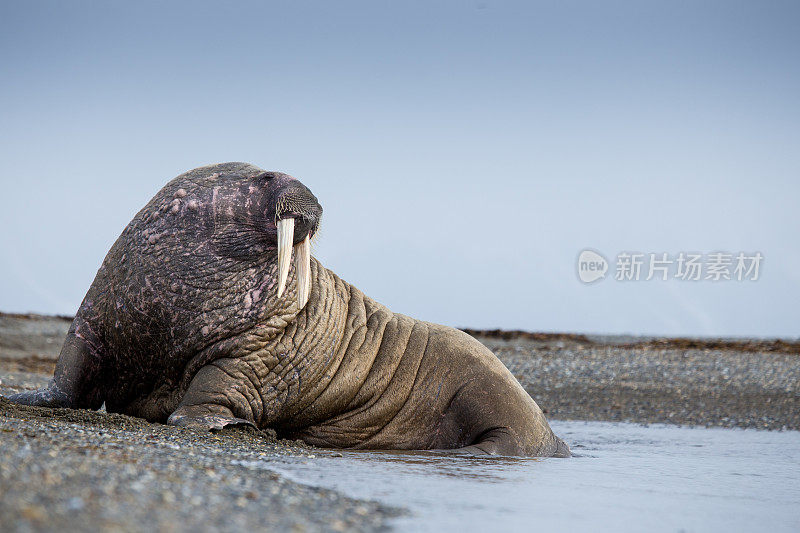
626 477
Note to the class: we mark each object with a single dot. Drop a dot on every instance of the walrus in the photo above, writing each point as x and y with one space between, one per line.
210 311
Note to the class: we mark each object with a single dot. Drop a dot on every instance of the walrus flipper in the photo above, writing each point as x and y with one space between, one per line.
213 401
50 396
187 417
74 384
503 441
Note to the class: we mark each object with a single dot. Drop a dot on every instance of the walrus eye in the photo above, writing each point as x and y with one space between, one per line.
302 258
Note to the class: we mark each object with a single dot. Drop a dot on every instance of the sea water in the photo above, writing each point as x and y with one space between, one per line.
624 477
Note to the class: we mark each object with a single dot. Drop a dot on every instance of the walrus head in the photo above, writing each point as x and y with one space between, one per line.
214 248
294 213
253 215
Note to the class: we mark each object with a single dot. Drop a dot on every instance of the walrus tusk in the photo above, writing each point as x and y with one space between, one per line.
285 242
302 264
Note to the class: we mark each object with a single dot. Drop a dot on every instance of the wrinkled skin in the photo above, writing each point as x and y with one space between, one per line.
183 325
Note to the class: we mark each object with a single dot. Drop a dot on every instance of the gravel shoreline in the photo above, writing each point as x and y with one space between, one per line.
79 470
75 470
713 383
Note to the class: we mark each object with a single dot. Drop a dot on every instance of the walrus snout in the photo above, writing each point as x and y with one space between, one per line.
297 215
292 199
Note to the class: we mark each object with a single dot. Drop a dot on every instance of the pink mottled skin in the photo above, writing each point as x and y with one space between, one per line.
182 324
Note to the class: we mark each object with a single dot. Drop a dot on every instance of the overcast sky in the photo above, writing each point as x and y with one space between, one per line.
464 152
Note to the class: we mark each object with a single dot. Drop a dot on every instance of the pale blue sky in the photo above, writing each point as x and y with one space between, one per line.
464 152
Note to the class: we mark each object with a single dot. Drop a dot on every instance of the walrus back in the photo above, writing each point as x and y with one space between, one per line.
403 383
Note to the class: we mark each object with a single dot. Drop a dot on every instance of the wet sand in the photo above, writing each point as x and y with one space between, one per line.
78 470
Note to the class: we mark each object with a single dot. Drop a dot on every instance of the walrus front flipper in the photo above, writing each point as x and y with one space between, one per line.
49 396
75 382
212 402
207 416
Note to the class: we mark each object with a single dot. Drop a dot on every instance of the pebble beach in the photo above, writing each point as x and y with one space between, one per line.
80 470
